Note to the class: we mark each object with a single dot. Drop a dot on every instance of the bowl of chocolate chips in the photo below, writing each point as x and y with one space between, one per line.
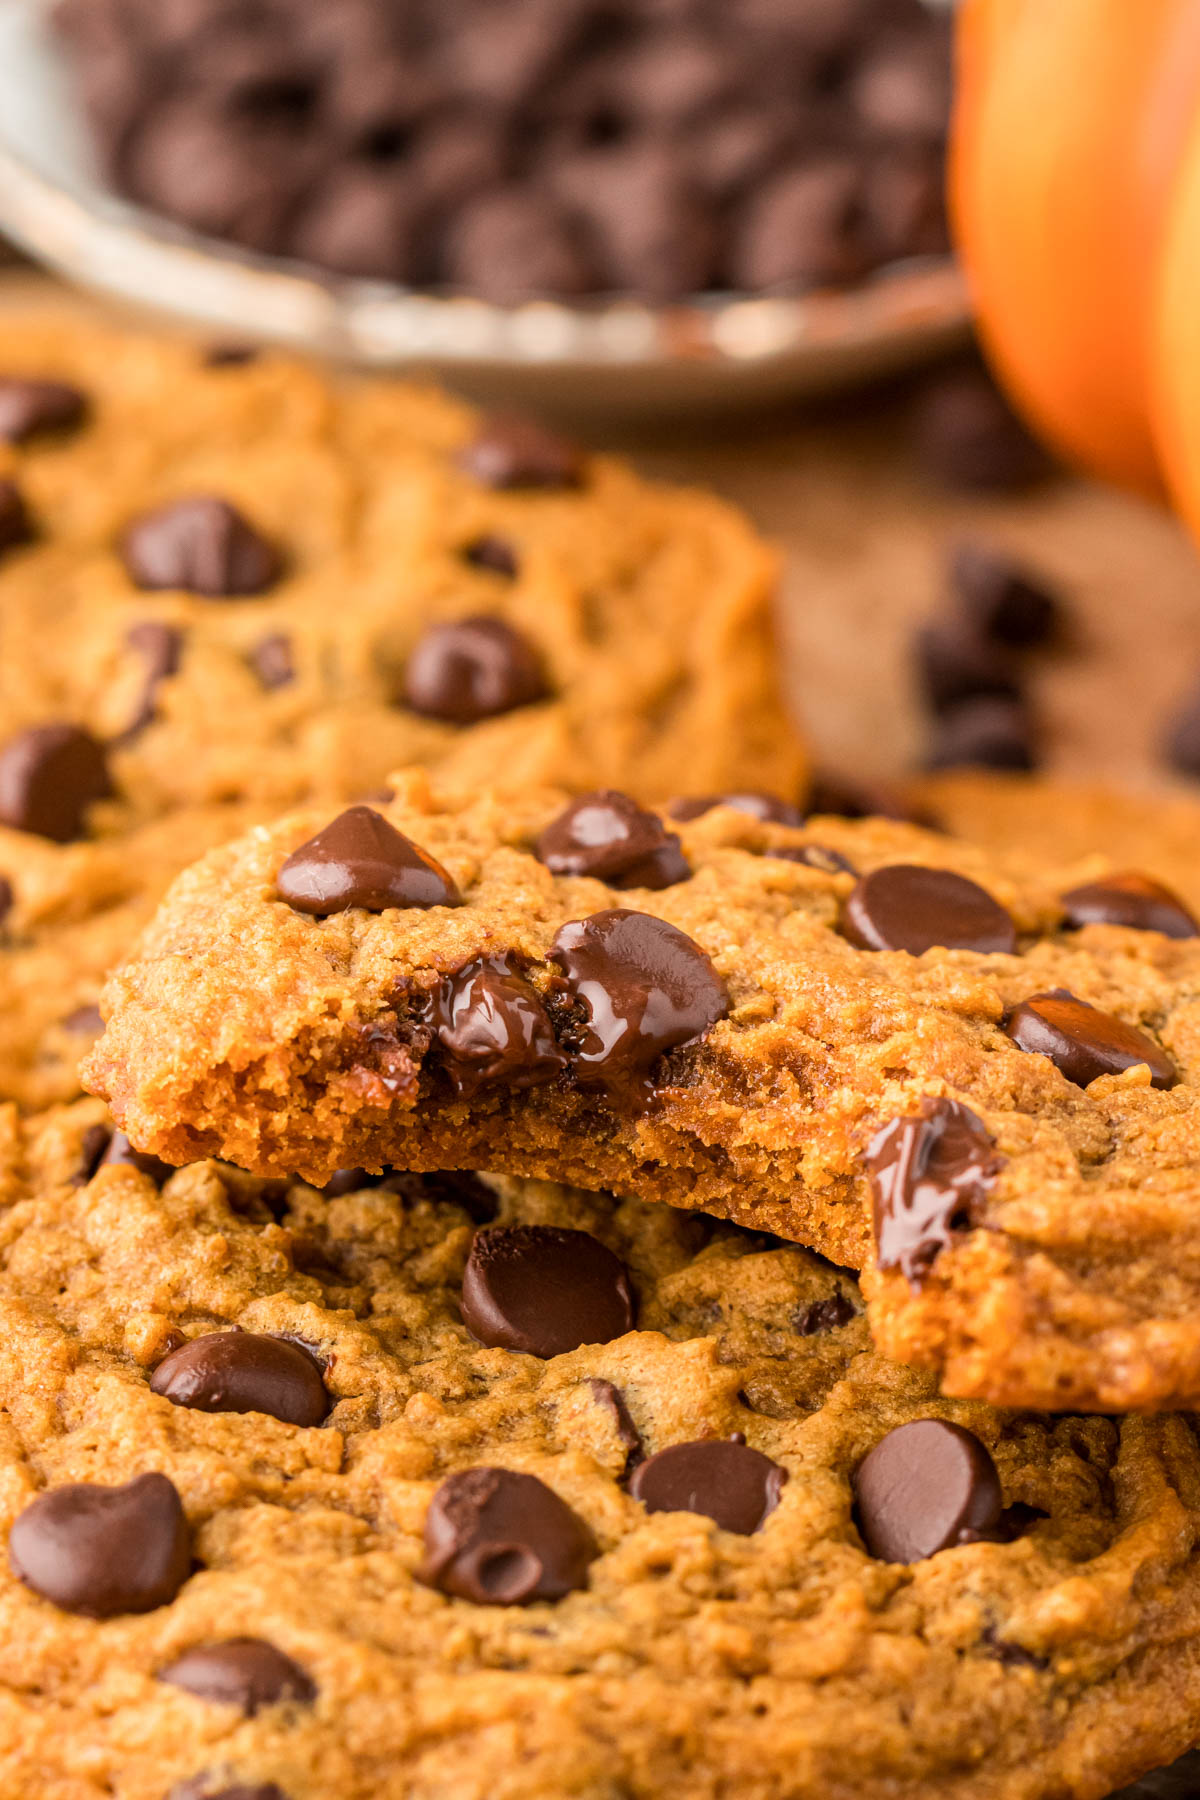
633 202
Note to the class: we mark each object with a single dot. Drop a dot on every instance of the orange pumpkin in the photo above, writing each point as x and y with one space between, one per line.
1075 187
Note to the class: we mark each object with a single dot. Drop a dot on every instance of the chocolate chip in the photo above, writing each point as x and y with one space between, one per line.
645 988
29 408
1002 600
272 661
805 228
967 436
611 838
610 1397
1083 1042
230 356
1136 901
492 1028
815 856
504 1539
930 1176
544 1291
92 1146
16 526
720 1477
510 246
768 807
121 1151
926 1487
905 906
160 646
494 553
8 899
203 546
955 664
513 452
244 1372
824 1315
472 669
245 1672
101 1551
360 860
49 776
213 1787
984 734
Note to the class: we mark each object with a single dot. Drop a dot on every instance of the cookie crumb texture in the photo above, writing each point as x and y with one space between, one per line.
737 1040
336 1628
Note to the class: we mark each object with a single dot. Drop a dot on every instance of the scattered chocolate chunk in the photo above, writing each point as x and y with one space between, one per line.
492 1028
1083 1042
500 1538
243 1372
610 1397
544 1291
31 408
49 776
905 906
721 1477
473 669
493 553
360 860
768 807
160 646
967 437
824 1315
1135 901
245 1672
121 1151
955 664
101 1551
16 526
984 734
1001 600
203 546
230 356
645 988
925 1487
611 838
212 1787
815 856
513 452
930 1177
272 660
92 1146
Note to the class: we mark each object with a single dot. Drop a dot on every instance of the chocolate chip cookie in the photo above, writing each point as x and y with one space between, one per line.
971 1077
477 1489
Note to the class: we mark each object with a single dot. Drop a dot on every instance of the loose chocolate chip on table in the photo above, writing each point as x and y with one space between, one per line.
1083 1042
815 856
102 1551
49 776
925 1487
121 1151
720 1477
241 1372
544 1291
955 664
500 1538
1002 600
645 987
245 1672
361 860
471 669
92 1146
824 1315
16 526
512 452
29 408
272 661
906 906
494 553
930 1176
1136 901
611 838
610 1397
160 646
768 807
202 545
984 734
492 1028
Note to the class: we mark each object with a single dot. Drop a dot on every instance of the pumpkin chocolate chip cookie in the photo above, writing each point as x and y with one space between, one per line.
471 1488
972 1078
